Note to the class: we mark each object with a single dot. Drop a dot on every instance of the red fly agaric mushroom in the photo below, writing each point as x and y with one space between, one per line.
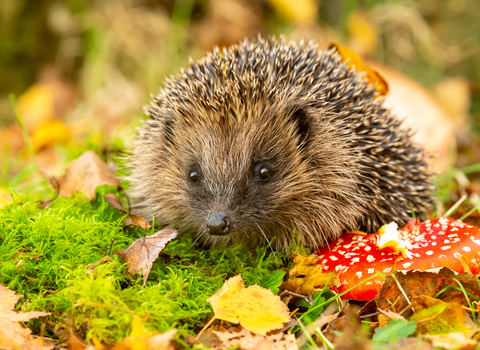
443 242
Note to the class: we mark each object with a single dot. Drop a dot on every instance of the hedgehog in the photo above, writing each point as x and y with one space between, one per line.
269 140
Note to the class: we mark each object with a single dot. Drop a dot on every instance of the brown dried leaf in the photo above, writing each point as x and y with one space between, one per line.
306 274
14 336
130 220
247 341
255 308
8 299
418 283
452 341
84 174
144 251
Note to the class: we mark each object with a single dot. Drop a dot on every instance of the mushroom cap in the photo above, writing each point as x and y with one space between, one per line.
442 242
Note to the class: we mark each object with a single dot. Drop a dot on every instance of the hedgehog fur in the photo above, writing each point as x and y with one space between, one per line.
335 158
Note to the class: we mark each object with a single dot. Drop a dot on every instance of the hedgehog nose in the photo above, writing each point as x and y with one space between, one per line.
218 224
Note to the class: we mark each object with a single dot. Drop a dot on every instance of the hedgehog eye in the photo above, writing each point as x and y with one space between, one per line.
263 173
194 176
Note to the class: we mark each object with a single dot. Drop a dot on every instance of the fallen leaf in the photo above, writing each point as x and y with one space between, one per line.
454 341
141 338
84 173
14 336
255 308
130 220
354 61
418 283
145 250
247 341
306 275
8 299
437 317
5 198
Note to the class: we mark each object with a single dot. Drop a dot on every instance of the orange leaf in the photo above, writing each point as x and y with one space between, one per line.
255 308
354 61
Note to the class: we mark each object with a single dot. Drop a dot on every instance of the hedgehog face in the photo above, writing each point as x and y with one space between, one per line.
237 174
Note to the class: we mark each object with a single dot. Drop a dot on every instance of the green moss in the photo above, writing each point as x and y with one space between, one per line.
46 256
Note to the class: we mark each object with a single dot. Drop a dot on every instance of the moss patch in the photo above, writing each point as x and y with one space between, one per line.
46 256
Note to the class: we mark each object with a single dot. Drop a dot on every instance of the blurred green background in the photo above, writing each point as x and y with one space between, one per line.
78 72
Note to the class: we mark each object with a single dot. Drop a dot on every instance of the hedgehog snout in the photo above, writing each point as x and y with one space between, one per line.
218 224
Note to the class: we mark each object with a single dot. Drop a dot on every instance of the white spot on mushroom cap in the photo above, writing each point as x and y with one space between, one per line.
333 257
445 247
434 243
467 249
476 241
355 259
387 270
429 252
370 270
359 274
406 265
446 241
370 258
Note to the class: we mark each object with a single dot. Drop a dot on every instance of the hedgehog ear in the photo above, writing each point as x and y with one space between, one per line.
169 131
302 122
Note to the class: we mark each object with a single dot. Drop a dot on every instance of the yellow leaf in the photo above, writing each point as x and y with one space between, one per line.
141 338
5 198
255 308
299 11
306 274
37 105
354 61
50 133
138 329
